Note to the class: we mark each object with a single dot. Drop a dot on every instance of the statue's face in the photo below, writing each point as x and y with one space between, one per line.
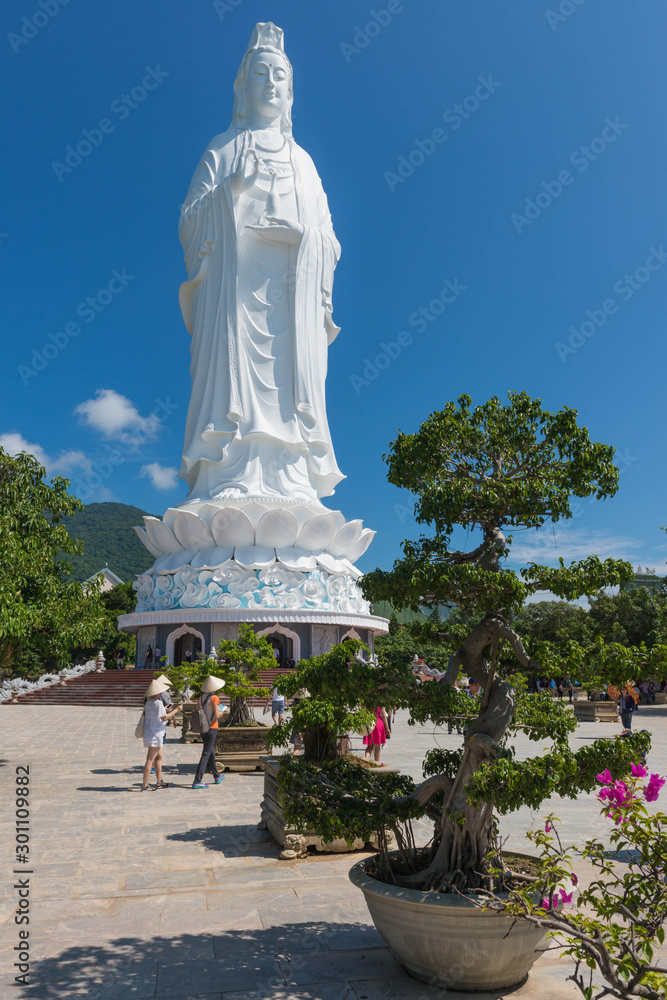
266 85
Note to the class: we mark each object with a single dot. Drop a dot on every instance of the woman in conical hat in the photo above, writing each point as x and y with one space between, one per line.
214 711
155 719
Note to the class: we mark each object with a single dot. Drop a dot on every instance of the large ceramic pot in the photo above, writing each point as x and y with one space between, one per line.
446 940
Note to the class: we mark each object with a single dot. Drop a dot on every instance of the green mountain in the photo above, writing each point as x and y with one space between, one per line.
108 540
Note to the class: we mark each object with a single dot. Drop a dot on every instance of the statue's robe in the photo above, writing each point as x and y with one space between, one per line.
236 435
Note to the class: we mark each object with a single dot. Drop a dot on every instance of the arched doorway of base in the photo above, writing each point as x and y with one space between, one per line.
180 640
285 642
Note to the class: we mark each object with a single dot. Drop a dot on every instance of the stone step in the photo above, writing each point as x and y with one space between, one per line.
115 688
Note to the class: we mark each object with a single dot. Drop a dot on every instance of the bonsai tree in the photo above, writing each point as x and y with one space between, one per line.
337 691
486 471
239 663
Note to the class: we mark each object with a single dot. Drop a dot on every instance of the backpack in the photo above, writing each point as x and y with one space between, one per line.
199 721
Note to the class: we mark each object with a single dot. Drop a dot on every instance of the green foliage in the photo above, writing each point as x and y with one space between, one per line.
556 622
511 784
120 600
109 539
619 918
350 800
632 617
240 664
41 614
343 692
491 467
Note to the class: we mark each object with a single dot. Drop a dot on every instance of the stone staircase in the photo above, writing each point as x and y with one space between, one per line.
122 688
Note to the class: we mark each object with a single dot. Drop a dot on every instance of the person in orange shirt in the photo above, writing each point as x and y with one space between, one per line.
214 711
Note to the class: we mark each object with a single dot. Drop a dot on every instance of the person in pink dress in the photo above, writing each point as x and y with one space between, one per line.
377 739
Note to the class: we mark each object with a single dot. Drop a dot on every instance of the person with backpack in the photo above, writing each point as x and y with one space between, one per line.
204 720
627 706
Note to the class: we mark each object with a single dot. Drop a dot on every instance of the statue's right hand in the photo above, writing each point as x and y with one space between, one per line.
246 172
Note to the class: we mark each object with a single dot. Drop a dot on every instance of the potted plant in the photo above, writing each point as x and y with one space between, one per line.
334 693
481 471
242 740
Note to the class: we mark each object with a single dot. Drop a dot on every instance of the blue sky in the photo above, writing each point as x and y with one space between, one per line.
540 199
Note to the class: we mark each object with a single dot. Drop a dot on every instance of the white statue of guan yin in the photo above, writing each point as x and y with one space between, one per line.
260 252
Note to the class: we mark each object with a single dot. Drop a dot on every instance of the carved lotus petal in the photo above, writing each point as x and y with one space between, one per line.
254 556
317 533
255 512
345 538
191 531
145 540
296 559
160 536
207 512
210 558
231 527
176 560
357 550
331 565
277 529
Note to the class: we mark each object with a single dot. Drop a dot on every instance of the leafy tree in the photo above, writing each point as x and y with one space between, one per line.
120 600
553 621
39 610
632 617
489 469
239 664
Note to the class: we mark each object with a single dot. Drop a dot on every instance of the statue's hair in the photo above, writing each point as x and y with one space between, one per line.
266 37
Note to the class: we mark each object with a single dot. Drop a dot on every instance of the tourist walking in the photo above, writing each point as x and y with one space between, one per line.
188 655
378 737
155 720
277 706
210 702
120 659
157 656
627 706
148 660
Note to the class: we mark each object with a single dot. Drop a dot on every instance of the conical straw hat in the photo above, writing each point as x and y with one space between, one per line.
155 687
164 680
212 684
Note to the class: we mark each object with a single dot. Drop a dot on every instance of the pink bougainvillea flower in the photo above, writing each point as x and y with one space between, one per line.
604 778
652 790
546 904
548 827
573 879
638 771
566 897
617 795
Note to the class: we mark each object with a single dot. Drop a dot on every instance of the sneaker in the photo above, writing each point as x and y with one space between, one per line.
199 784
220 778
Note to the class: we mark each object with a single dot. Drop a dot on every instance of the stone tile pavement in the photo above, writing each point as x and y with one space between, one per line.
177 894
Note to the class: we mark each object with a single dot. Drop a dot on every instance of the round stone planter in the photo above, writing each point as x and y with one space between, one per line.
447 941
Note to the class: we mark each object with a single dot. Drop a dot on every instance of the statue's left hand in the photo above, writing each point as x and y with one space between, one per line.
279 230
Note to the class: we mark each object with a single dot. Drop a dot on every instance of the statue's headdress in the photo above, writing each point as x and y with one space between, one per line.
266 37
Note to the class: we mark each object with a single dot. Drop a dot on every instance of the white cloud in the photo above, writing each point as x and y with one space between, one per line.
66 462
549 544
116 416
162 477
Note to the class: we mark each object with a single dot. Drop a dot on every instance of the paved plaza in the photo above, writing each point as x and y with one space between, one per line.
176 893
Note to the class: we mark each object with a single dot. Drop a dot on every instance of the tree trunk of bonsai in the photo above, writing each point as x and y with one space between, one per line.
240 714
464 832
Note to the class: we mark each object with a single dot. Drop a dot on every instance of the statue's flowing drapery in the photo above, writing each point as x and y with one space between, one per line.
260 316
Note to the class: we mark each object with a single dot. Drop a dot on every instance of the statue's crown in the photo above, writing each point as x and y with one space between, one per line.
267 36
